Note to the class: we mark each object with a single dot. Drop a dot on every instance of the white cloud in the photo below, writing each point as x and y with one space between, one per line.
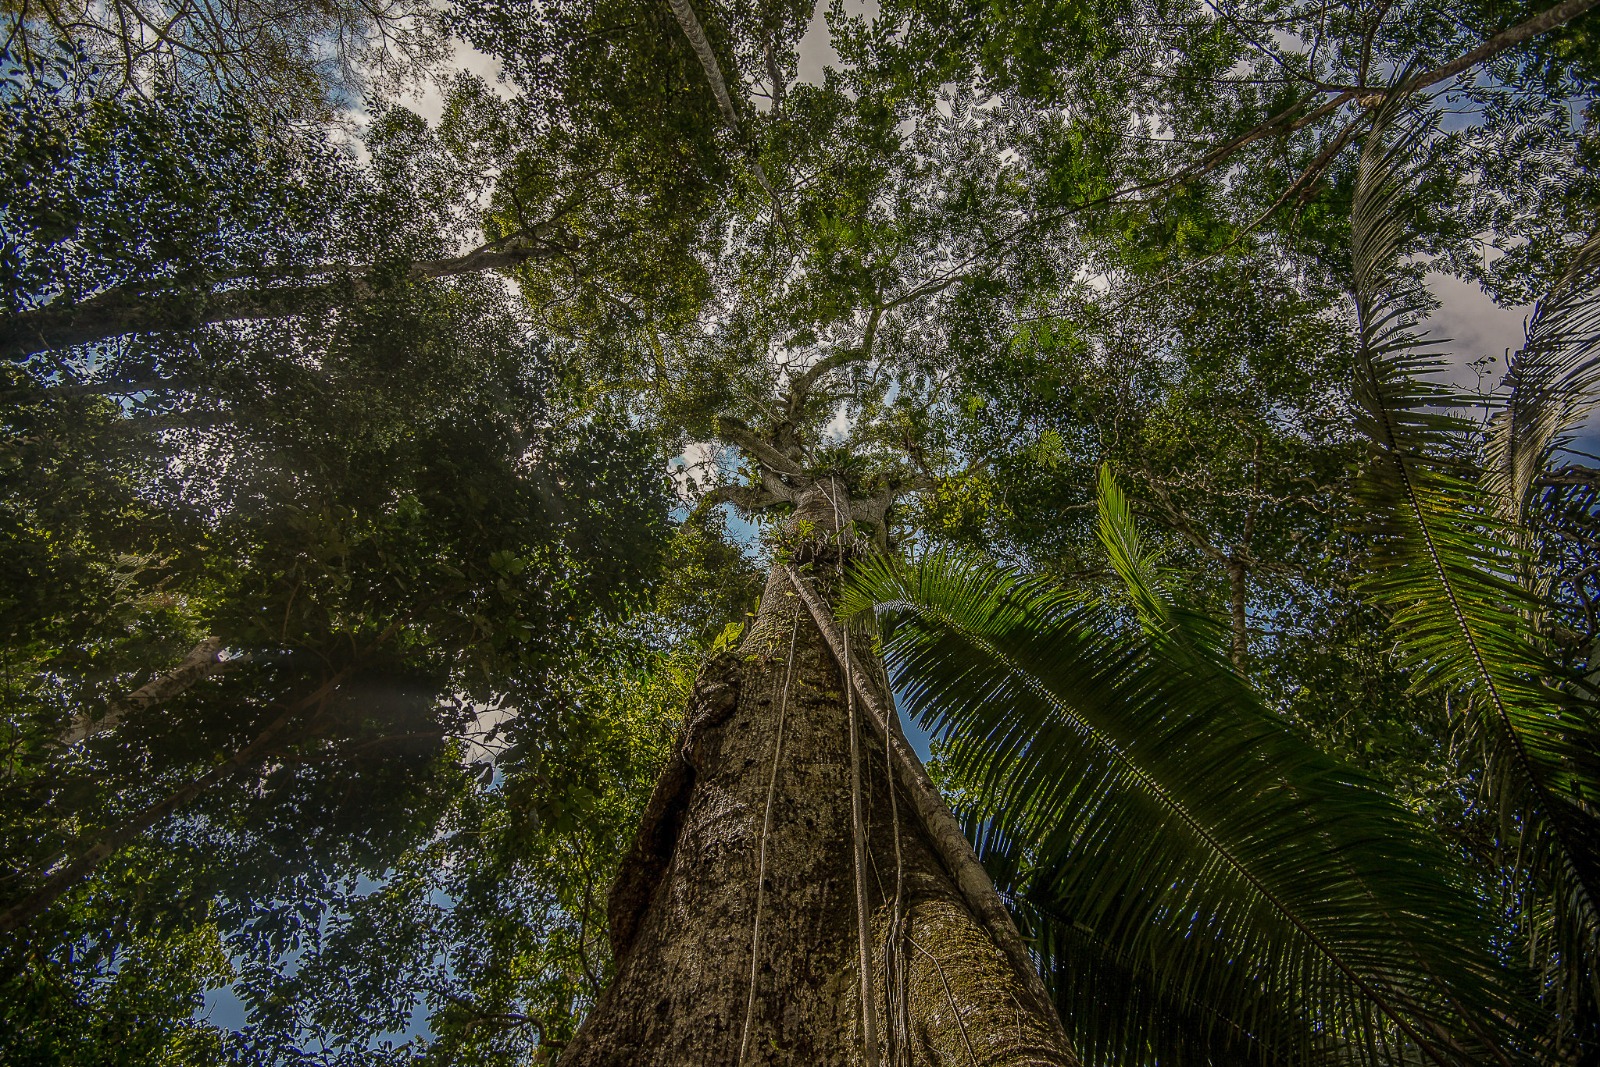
699 460
816 47
427 99
1476 326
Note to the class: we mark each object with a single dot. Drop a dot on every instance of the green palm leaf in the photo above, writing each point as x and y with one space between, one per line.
1554 382
1202 882
1447 569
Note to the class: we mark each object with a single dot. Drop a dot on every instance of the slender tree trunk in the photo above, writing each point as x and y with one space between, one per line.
202 662
1238 599
1238 570
734 918
128 310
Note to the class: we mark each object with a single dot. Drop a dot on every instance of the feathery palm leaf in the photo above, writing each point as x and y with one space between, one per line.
1163 832
1554 382
1447 570
1187 634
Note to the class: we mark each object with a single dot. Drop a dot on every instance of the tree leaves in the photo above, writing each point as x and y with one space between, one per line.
1170 841
1448 559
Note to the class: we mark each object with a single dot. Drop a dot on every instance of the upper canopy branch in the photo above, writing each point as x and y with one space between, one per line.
689 22
742 437
129 309
801 385
1291 119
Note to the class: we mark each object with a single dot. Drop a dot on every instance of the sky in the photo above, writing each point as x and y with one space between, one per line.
1477 327
1476 323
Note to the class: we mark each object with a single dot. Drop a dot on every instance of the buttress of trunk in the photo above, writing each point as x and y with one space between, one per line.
685 906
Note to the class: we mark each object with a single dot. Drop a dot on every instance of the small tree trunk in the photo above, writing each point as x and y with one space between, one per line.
202 662
1238 597
725 957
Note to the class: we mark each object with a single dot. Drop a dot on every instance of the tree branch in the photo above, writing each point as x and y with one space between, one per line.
800 388
743 438
689 22
1541 23
202 662
127 309
749 498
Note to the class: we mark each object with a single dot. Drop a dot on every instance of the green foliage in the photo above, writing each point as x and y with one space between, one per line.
1447 566
1553 383
708 582
129 1003
615 139
1135 564
1174 846
492 927
383 512
105 189
1331 671
390 538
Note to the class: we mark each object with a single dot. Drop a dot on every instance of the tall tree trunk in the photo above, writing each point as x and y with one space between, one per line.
734 918
1238 600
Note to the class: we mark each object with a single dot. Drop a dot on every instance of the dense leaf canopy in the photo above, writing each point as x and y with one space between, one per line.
347 607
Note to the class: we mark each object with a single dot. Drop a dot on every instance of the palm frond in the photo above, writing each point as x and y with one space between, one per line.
1134 564
1162 830
1186 634
1554 382
1447 571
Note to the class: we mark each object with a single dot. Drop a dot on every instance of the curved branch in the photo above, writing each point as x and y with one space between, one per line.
800 388
126 309
1521 33
689 22
749 498
743 438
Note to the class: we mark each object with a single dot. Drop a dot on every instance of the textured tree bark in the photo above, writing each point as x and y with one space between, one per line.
685 906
